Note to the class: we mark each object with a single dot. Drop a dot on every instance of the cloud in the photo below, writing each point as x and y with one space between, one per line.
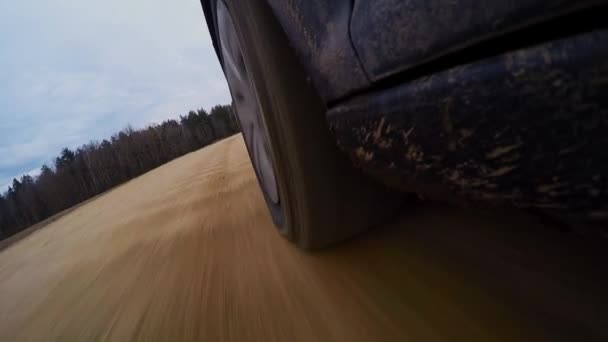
74 71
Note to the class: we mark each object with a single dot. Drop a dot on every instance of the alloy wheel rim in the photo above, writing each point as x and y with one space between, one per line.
246 103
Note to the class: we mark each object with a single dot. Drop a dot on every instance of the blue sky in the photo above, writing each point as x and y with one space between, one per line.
72 71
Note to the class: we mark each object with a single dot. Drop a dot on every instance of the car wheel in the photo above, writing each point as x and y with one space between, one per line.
314 194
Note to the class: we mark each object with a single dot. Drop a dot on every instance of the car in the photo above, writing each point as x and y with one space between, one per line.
345 105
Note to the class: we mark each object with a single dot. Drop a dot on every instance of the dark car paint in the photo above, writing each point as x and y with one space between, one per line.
524 127
348 45
528 128
395 35
319 33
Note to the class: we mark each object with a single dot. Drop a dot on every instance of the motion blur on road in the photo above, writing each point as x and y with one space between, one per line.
188 252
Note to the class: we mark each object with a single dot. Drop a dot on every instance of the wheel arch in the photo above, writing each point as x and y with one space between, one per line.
318 33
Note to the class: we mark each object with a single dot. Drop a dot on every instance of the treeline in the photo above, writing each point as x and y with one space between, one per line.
80 174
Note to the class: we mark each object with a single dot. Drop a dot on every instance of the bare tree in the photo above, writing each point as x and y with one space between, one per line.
95 167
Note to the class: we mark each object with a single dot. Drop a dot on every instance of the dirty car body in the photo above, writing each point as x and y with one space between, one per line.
492 102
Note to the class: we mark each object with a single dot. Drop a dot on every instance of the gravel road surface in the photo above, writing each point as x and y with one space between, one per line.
188 252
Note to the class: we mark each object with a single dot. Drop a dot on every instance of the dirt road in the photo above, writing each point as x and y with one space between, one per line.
188 252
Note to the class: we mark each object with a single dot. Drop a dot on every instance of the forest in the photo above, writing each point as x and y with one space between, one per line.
80 174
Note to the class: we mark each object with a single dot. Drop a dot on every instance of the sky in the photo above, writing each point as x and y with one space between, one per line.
72 71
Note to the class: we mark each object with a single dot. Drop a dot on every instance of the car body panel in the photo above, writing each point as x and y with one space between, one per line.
391 36
527 128
319 33
347 45
523 125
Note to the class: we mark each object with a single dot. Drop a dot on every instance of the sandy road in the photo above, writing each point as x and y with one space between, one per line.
188 252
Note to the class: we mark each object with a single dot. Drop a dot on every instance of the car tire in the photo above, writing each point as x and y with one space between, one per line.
322 197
